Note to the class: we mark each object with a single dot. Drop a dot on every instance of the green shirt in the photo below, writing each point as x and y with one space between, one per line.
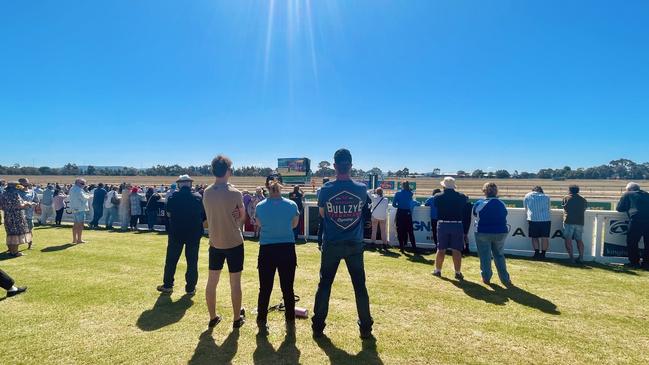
574 206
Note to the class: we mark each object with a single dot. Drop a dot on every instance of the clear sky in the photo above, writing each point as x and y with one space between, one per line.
406 83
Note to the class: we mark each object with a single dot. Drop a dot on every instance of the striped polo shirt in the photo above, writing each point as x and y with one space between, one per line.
537 206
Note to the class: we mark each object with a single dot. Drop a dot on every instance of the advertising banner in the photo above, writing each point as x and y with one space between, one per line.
615 231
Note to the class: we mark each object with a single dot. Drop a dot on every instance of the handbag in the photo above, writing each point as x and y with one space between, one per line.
114 200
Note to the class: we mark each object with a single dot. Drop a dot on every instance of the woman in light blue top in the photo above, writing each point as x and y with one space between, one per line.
276 217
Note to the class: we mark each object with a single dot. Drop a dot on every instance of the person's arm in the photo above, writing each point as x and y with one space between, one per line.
296 217
623 204
394 202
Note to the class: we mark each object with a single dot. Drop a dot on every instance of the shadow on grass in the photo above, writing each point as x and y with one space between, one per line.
368 354
523 297
587 265
6 256
286 353
58 248
417 258
208 352
479 292
164 312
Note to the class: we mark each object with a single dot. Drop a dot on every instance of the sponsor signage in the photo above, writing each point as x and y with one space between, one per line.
615 232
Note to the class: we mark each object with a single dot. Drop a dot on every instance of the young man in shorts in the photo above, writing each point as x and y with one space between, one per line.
225 211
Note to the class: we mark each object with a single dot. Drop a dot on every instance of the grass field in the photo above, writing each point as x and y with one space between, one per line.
96 303
600 190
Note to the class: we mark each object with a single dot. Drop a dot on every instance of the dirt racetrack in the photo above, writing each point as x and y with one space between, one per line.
597 190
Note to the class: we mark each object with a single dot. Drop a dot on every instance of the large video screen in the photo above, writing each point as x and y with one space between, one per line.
293 166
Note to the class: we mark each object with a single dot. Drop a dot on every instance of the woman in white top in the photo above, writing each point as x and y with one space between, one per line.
379 215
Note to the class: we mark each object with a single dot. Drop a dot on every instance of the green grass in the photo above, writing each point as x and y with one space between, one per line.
96 304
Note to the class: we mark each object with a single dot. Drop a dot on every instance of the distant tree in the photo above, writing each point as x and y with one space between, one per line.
324 169
390 173
70 169
436 171
545 174
375 171
461 173
502 174
91 170
405 172
476 174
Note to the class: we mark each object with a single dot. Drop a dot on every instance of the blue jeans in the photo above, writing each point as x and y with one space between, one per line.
151 217
492 244
332 253
111 215
97 212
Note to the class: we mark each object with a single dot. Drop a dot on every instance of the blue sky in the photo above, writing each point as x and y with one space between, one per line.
424 84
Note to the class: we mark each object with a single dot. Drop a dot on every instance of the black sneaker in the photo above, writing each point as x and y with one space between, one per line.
242 319
537 255
239 322
214 321
163 289
437 273
190 292
19 290
459 276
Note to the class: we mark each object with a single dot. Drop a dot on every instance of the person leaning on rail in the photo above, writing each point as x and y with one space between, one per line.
574 207
635 203
537 207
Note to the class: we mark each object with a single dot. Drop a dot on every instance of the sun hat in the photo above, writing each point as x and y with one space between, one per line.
184 178
448 183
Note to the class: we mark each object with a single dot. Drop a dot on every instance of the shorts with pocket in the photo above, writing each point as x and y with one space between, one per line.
573 231
79 217
234 257
450 235
539 229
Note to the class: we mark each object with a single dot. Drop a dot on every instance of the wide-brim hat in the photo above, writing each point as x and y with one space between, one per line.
448 183
184 178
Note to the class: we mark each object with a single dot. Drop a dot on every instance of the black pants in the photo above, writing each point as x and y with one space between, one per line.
433 227
638 229
134 219
6 282
59 216
280 257
320 229
97 213
404 228
174 249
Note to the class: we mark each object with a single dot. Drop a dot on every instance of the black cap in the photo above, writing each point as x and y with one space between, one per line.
343 156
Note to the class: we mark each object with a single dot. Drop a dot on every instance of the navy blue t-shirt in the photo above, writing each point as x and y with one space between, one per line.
343 202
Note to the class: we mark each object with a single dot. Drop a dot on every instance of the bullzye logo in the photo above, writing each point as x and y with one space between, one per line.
618 227
345 209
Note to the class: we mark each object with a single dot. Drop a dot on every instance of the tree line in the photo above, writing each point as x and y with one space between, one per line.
616 169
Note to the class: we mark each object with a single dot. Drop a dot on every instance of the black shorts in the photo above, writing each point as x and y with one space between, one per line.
539 229
233 255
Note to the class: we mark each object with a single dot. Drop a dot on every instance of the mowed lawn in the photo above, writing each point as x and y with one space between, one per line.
96 303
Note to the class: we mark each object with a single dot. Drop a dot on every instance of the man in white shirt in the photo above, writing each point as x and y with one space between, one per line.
79 207
379 211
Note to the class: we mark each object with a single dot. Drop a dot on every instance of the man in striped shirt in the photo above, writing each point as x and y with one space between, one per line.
537 207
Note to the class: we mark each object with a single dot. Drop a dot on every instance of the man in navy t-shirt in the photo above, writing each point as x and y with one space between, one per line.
341 205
